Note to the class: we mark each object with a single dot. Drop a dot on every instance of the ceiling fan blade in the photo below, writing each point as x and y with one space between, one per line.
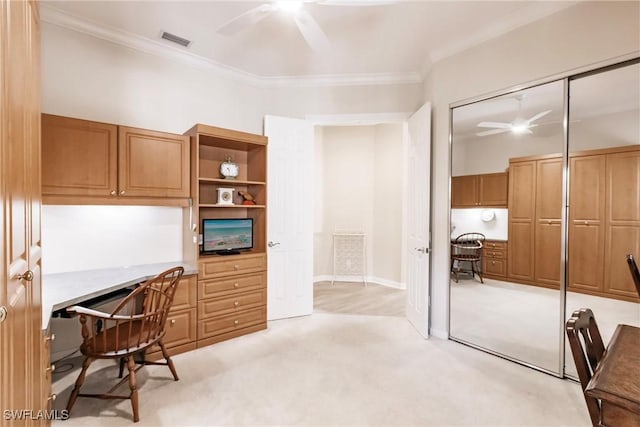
537 116
492 132
311 31
499 125
246 19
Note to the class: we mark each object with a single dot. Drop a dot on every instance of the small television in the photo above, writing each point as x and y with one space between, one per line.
226 236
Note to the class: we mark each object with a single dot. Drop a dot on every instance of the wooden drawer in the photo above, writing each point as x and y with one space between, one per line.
495 244
233 264
186 292
180 329
220 306
229 323
231 285
494 267
492 253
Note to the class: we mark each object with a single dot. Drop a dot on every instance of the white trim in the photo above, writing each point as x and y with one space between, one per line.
165 49
438 333
358 279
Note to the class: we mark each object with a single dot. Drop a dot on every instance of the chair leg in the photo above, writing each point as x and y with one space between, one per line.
79 381
131 364
168 359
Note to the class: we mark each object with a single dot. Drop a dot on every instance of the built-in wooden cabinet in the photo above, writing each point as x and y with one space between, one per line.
535 206
474 191
86 162
494 259
604 221
232 289
181 322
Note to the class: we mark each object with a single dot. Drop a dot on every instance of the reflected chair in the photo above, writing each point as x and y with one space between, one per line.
633 268
467 247
120 336
587 349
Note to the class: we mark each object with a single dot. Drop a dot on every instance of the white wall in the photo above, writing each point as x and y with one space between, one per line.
361 175
576 37
93 79
77 238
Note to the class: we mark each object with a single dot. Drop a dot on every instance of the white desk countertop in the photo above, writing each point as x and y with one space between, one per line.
62 290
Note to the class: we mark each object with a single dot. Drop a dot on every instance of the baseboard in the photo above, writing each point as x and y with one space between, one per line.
358 279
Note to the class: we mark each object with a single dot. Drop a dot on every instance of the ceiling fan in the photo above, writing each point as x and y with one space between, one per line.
307 25
519 125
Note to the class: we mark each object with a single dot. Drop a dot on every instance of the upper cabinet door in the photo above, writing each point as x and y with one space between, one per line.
152 164
79 157
464 191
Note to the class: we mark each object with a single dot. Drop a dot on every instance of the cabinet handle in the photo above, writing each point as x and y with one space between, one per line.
52 397
235 285
27 275
51 368
586 223
236 303
236 266
50 338
172 322
113 192
122 193
493 263
236 322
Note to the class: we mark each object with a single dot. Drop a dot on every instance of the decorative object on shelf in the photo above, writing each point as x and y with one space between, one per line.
247 199
229 169
488 215
225 196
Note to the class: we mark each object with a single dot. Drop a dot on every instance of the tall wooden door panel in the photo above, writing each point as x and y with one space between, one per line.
586 223
20 329
520 253
622 219
152 164
548 234
80 157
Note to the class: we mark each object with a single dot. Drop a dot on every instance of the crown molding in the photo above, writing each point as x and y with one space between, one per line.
55 16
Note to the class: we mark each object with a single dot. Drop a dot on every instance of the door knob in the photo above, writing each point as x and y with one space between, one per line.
423 250
271 244
27 275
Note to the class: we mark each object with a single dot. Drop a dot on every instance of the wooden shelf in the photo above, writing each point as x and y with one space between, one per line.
218 181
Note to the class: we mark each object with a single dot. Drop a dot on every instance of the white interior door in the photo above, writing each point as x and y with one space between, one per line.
289 217
418 218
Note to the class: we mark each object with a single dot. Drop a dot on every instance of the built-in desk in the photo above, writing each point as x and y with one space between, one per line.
63 290
616 381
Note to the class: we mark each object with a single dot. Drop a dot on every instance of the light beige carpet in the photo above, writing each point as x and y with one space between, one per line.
332 369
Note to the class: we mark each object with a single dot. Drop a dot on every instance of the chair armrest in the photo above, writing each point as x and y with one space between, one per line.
101 315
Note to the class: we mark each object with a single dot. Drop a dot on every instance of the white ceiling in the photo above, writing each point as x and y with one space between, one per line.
395 41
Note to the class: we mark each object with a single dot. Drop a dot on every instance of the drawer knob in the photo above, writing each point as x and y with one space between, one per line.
122 193
236 266
172 322
52 337
236 303
235 285
493 263
113 192
236 322
52 397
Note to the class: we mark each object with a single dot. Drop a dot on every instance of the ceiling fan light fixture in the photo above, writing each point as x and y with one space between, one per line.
521 128
289 6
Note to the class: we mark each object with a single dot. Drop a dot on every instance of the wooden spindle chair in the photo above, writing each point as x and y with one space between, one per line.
587 349
120 336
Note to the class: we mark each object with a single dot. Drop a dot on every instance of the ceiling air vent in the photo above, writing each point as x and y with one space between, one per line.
176 39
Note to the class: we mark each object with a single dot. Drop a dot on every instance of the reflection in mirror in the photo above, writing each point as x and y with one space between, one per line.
604 198
507 175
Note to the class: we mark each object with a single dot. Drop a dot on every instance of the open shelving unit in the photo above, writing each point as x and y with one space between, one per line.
232 289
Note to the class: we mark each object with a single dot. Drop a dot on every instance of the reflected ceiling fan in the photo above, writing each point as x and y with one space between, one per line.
307 25
519 125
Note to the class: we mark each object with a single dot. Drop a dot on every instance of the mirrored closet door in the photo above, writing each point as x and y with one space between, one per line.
604 197
507 152
511 176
